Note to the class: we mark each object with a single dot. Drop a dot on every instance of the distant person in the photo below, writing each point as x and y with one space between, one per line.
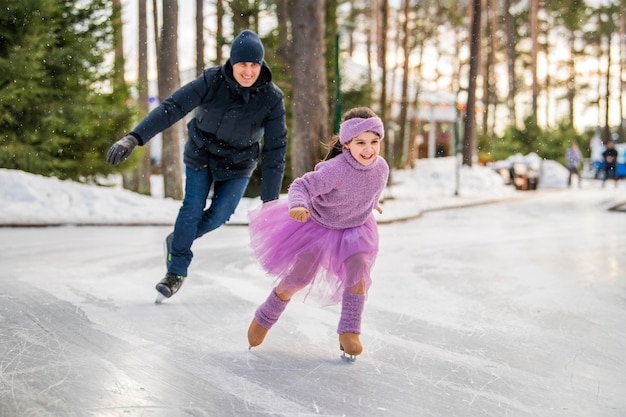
236 104
574 158
324 236
597 147
610 162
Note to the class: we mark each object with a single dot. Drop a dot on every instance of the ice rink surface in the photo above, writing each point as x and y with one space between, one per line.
509 309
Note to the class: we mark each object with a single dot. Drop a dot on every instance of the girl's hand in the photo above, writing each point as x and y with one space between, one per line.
379 209
299 214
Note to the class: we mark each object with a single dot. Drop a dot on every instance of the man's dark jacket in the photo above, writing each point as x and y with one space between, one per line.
226 131
610 157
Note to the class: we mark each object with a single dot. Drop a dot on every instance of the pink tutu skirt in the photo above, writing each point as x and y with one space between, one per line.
309 256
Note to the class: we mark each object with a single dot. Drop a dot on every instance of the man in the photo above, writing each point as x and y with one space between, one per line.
610 162
236 104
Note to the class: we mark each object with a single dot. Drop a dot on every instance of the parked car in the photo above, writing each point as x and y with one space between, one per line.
523 172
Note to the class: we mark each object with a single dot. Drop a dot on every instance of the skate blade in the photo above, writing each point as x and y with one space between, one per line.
347 357
167 260
159 299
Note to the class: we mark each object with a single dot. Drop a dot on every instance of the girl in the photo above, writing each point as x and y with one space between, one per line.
324 235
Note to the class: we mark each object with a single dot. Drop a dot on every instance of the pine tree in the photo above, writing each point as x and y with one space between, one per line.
58 112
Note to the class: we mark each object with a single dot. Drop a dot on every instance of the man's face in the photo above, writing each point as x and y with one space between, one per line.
246 73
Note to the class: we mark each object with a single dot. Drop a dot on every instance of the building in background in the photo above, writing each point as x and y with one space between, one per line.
436 116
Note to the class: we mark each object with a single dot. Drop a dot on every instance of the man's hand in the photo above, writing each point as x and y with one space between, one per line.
299 214
121 150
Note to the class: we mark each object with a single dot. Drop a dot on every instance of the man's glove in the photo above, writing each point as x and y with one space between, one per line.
121 149
299 214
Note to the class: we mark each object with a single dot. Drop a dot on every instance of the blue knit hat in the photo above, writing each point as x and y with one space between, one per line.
247 47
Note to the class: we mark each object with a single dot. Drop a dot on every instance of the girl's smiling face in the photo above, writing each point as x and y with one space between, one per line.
364 148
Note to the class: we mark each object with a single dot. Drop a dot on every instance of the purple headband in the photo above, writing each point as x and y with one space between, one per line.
352 128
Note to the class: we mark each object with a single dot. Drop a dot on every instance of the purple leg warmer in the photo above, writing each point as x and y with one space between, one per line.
351 311
268 313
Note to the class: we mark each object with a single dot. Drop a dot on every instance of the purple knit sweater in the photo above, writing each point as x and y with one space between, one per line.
340 193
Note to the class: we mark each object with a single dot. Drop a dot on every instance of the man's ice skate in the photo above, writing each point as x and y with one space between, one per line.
168 286
350 346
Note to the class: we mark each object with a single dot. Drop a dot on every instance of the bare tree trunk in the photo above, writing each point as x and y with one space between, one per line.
145 169
118 41
414 131
547 84
156 26
282 16
168 83
571 89
131 180
387 149
245 15
393 71
199 36
371 31
534 37
511 55
469 132
493 63
333 35
310 106
382 62
219 35
607 93
402 139
599 87
142 57
484 68
622 73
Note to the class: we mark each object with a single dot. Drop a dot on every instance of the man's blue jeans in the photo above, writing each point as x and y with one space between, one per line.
194 221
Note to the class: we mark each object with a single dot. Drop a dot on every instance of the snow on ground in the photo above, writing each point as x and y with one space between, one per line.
34 200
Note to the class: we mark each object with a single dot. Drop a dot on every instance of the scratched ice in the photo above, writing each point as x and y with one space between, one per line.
514 308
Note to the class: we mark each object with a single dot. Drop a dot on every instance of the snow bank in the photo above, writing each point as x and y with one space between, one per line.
33 200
